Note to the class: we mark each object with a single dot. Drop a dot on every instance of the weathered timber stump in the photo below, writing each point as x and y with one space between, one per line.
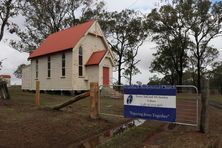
4 94
72 100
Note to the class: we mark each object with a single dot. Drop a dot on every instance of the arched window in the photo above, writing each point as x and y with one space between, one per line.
80 61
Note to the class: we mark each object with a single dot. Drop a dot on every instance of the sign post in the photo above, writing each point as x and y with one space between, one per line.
150 102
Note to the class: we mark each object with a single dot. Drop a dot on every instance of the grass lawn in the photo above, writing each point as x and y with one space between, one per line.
23 124
216 98
134 137
142 135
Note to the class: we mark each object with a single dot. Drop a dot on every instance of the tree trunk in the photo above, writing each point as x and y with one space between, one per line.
2 28
72 100
180 75
198 65
119 74
180 81
180 78
5 20
130 79
181 69
198 75
131 73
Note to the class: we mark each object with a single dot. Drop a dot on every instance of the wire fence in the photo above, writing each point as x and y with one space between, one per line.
111 102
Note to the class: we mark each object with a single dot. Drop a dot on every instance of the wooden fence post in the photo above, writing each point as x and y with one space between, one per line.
204 106
37 93
94 114
4 90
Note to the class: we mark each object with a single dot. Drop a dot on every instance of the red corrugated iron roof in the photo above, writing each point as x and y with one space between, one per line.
5 76
96 57
62 40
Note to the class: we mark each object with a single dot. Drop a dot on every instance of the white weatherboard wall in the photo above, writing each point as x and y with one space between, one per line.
92 73
26 77
89 44
56 81
106 62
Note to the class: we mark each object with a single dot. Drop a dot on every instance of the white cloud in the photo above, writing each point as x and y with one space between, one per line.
216 43
118 5
145 55
13 59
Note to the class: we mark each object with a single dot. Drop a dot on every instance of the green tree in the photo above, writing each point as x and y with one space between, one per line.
195 23
204 22
44 17
190 75
130 65
215 77
125 32
155 80
18 71
169 32
97 11
164 64
8 9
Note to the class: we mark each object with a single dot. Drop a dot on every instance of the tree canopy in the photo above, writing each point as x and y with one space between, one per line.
8 9
125 32
182 31
18 71
46 17
215 76
171 36
205 24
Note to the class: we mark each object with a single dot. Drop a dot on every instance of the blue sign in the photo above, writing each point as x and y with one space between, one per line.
150 102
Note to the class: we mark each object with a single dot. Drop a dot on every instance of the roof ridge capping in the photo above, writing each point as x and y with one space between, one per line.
74 26
100 51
